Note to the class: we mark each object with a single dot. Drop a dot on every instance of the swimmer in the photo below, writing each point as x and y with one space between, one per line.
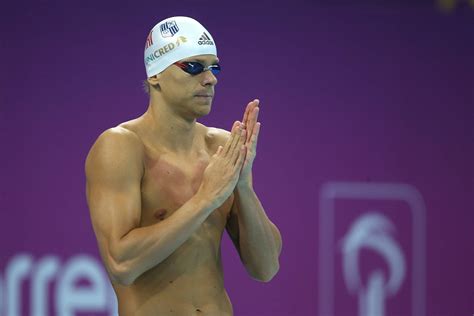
162 188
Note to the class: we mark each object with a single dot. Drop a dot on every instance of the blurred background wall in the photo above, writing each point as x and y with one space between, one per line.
365 158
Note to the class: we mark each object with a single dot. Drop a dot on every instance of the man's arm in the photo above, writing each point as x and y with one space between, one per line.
255 237
114 169
257 240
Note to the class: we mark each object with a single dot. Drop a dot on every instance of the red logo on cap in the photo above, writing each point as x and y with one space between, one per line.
149 40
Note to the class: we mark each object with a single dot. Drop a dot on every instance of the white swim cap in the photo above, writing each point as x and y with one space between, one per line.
174 39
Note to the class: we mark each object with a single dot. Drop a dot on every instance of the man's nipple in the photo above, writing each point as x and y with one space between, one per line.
160 214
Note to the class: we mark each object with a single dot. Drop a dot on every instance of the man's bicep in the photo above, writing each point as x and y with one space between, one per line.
114 210
113 172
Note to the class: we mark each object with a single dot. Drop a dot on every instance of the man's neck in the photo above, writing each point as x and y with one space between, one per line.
170 130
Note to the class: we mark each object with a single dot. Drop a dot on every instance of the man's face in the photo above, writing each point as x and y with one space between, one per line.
190 95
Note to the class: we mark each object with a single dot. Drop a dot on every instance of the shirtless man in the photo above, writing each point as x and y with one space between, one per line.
161 188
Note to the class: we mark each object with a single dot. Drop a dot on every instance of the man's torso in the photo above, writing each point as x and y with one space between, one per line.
190 280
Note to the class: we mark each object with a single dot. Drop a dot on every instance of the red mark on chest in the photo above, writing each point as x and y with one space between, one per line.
160 214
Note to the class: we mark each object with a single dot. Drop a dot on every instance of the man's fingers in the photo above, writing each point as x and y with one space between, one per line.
246 113
238 145
252 121
250 106
218 151
254 137
235 125
235 139
234 132
241 157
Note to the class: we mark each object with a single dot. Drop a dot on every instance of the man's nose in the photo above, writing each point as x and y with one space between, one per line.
209 78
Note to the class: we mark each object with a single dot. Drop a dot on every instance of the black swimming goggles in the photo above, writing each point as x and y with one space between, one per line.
195 68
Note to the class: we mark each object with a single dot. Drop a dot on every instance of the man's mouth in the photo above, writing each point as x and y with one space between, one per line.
204 95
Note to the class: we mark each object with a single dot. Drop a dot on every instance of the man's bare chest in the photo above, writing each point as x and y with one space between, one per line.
169 182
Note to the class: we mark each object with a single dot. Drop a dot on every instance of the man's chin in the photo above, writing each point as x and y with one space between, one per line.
201 110
204 108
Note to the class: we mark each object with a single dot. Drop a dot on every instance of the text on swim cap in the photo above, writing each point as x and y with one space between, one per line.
205 40
164 50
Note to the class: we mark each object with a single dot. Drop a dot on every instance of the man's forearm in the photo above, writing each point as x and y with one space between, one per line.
143 248
259 239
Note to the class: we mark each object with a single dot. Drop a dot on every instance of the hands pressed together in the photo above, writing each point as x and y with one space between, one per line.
231 165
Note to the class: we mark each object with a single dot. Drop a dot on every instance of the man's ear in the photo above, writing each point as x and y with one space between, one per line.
154 81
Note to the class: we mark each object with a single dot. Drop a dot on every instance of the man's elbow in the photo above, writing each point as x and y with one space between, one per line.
266 275
120 273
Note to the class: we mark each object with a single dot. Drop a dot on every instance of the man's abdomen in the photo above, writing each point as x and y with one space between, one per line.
185 296
176 287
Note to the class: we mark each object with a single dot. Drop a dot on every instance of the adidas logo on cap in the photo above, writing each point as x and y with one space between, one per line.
205 40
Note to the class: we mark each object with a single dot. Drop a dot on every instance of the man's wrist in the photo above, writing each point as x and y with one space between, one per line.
203 202
245 185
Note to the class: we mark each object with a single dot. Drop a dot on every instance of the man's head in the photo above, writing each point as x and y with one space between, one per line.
180 61
174 39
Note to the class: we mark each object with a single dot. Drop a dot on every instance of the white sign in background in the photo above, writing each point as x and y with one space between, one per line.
372 231
68 298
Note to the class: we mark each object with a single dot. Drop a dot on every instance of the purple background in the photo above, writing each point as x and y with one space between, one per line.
365 92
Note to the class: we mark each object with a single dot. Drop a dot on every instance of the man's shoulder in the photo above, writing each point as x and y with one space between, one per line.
120 137
116 142
216 136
